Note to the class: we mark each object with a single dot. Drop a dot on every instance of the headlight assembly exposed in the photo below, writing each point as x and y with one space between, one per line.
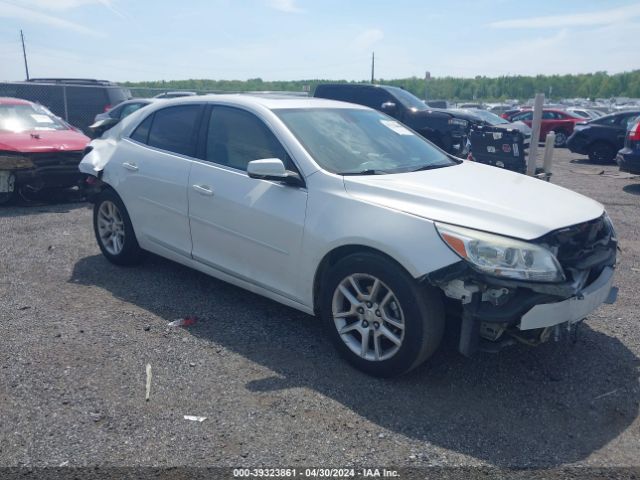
502 256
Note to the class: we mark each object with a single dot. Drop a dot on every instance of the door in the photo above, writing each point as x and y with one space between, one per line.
153 171
251 229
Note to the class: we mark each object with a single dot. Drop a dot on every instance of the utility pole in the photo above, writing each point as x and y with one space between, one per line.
373 66
24 53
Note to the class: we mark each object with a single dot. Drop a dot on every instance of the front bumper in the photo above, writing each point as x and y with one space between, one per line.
42 170
573 309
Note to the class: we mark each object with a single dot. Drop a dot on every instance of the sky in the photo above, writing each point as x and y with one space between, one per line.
138 40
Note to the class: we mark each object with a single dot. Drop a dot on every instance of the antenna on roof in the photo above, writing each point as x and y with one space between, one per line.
24 53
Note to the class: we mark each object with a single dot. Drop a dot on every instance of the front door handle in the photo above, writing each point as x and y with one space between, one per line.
130 166
203 190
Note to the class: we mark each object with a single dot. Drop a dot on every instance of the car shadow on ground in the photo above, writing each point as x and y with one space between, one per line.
633 189
24 207
547 406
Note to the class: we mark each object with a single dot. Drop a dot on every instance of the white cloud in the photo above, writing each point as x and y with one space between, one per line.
603 17
9 10
289 6
365 40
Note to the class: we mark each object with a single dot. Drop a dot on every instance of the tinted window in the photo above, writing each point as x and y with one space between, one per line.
236 137
141 134
130 108
342 93
549 116
374 97
173 129
608 120
629 120
522 116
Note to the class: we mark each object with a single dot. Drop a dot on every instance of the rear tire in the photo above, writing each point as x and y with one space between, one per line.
601 152
114 231
379 318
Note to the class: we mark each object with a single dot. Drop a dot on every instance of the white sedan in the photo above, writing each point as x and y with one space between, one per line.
340 211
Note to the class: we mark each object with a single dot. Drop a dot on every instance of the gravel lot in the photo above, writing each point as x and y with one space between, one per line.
77 333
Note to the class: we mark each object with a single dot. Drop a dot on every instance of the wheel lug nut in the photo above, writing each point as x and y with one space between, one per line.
376 324
365 324
378 314
369 304
360 310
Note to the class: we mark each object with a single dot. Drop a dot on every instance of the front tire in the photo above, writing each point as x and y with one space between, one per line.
379 318
114 231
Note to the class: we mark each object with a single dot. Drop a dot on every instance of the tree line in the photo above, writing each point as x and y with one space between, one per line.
588 85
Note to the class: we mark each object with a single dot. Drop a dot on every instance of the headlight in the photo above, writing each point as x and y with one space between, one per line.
458 121
502 256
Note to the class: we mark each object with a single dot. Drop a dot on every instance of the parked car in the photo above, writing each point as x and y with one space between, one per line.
37 149
584 113
106 120
601 138
628 158
339 210
441 127
77 101
487 118
558 121
175 94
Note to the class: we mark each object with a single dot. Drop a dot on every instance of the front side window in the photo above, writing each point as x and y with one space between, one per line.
235 137
173 129
361 141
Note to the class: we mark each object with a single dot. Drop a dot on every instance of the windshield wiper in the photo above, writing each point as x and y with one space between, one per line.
366 172
430 167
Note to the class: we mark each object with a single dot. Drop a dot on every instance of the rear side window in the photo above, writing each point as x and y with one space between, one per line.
522 116
173 129
141 134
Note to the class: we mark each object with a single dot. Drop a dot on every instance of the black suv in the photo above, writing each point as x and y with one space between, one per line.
74 99
444 129
601 138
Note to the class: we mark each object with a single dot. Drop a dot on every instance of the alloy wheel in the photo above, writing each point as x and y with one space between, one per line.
111 227
368 317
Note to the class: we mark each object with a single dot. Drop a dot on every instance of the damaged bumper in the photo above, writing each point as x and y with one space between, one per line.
39 170
497 312
573 309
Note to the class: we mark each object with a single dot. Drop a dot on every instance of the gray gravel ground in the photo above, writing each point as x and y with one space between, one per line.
77 333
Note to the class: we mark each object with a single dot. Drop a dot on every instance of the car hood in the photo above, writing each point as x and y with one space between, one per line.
42 141
521 126
480 197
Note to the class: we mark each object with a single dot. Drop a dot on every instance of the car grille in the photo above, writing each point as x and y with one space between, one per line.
586 246
50 159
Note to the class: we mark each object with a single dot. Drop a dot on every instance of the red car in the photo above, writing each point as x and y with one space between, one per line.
555 120
37 149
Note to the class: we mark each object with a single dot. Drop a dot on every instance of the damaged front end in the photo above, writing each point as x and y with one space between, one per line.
34 171
497 311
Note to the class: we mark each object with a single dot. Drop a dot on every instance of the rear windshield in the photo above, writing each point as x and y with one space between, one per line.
361 141
22 118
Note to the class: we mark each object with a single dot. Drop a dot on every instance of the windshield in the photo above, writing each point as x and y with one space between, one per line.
409 100
489 117
357 141
23 118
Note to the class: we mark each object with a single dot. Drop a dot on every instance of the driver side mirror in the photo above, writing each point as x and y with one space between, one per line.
273 169
388 107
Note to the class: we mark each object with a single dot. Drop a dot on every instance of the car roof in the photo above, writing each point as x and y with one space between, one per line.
14 101
269 101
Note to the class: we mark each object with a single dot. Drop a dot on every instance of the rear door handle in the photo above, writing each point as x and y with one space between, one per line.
130 166
203 190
